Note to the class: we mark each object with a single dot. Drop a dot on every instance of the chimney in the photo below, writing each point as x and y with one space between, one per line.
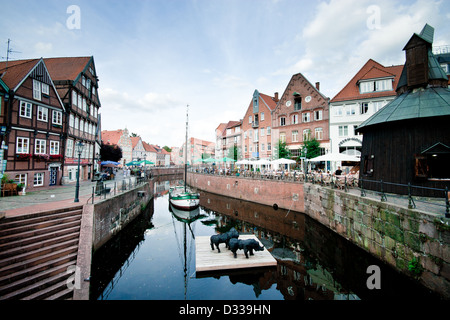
276 97
318 86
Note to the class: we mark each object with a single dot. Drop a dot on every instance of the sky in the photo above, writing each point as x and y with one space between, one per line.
155 57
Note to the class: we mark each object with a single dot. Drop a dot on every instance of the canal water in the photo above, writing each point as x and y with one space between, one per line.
154 258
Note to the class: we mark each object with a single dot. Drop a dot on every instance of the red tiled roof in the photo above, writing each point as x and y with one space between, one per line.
371 70
17 70
66 68
111 137
270 101
134 141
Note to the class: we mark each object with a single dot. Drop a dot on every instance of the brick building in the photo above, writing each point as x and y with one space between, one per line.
257 126
301 114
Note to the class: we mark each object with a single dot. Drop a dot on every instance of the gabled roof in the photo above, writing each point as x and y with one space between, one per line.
269 101
14 72
134 141
371 70
111 137
67 68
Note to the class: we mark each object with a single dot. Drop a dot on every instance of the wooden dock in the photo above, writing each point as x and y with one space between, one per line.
208 260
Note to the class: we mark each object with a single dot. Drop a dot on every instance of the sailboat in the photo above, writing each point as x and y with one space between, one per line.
182 197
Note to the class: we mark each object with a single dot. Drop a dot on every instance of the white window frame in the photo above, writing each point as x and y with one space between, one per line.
54 147
42 114
282 121
74 98
45 89
318 133
306 117
40 146
69 148
26 109
36 90
38 179
57 117
306 134
318 115
22 145
294 135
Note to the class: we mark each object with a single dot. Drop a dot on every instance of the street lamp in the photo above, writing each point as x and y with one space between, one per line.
79 149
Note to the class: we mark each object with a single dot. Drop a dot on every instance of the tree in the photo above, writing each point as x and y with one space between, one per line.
167 149
283 151
110 152
312 148
233 153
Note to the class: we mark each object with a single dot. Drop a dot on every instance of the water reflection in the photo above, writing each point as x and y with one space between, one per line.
154 257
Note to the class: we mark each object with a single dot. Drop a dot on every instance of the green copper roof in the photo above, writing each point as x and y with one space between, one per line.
418 103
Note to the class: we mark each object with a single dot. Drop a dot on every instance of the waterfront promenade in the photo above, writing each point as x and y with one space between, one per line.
52 198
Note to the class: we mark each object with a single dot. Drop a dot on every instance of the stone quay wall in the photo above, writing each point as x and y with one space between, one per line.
414 242
163 171
112 214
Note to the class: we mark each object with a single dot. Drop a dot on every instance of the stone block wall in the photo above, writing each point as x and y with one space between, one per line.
414 242
114 213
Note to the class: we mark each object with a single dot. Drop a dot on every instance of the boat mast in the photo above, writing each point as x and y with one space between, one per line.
185 147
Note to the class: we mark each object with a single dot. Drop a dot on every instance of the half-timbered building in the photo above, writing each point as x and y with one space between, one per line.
77 83
33 122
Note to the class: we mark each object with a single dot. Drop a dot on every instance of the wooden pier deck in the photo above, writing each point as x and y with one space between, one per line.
208 260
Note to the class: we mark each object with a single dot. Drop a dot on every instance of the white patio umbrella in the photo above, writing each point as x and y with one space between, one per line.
284 161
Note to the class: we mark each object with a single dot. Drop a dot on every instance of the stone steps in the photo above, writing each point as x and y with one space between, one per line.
36 251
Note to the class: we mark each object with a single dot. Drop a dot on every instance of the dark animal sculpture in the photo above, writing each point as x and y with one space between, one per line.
247 245
223 238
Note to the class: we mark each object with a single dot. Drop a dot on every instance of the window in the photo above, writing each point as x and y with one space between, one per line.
256 137
306 134
80 101
75 123
22 145
283 137
318 133
40 146
375 85
306 117
57 117
377 105
54 147
21 178
84 105
364 108
38 179
36 90
69 148
45 89
25 109
338 111
262 116
295 136
262 147
298 103
351 110
71 121
294 119
250 119
343 131
42 114
263 132
318 115
269 147
282 121
268 131
74 98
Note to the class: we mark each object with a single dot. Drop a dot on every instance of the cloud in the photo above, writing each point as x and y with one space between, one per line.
343 34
